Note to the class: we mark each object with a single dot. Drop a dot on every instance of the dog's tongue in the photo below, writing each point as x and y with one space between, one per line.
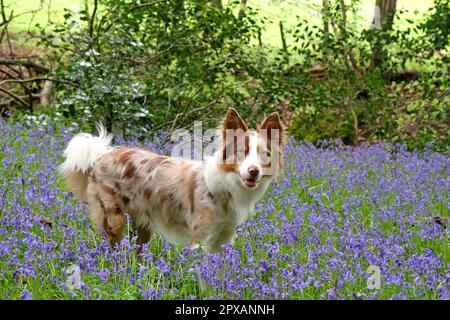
250 182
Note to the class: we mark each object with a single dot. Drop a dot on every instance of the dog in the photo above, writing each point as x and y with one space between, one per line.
195 203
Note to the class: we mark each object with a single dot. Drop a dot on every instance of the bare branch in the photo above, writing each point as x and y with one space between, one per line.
39 79
92 19
27 63
17 98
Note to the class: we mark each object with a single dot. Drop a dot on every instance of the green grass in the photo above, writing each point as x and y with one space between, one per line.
38 11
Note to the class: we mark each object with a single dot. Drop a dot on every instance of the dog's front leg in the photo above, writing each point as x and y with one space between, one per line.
144 235
225 236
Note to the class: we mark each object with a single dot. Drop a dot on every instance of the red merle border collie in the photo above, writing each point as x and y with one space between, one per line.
188 202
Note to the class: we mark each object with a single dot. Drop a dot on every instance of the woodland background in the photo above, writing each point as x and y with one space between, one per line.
360 71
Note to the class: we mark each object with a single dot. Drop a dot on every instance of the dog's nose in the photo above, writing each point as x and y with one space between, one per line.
253 171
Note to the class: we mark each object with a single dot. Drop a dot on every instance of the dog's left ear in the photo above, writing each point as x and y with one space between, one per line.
273 122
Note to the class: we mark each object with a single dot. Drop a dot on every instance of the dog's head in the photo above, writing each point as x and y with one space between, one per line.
251 156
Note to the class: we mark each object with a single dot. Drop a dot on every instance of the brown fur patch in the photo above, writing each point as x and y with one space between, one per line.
203 220
93 177
106 189
164 196
206 218
124 155
147 193
144 235
231 167
224 198
125 200
129 171
105 222
114 226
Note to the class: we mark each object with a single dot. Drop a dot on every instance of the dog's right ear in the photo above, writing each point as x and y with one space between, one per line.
233 121
273 122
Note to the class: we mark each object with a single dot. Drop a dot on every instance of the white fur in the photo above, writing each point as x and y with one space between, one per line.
253 157
242 199
84 150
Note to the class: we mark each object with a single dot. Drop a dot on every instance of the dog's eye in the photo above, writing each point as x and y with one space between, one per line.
265 154
240 152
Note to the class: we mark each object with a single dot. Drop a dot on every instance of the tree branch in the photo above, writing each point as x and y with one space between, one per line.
39 79
92 18
17 98
28 64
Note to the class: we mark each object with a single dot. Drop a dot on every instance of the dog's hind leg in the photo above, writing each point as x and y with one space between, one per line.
96 208
114 223
107 214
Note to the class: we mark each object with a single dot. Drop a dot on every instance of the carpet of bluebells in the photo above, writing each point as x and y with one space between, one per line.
336 219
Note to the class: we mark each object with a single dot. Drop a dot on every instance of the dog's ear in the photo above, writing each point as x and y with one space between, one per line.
233 121
273 122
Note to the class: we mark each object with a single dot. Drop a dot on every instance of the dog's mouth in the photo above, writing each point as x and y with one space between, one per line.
249 182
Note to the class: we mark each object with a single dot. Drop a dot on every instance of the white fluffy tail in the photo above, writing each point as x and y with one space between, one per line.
84 150
82 153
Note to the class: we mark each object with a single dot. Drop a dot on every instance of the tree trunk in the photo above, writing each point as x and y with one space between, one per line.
325 18
242 7
382 23
384 14
216 3
283 39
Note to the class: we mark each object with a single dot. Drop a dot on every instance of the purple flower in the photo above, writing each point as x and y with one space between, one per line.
335 216
26 295
162 266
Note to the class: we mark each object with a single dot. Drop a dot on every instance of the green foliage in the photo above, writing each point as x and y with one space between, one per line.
140 68
365 91
437 25
151 67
